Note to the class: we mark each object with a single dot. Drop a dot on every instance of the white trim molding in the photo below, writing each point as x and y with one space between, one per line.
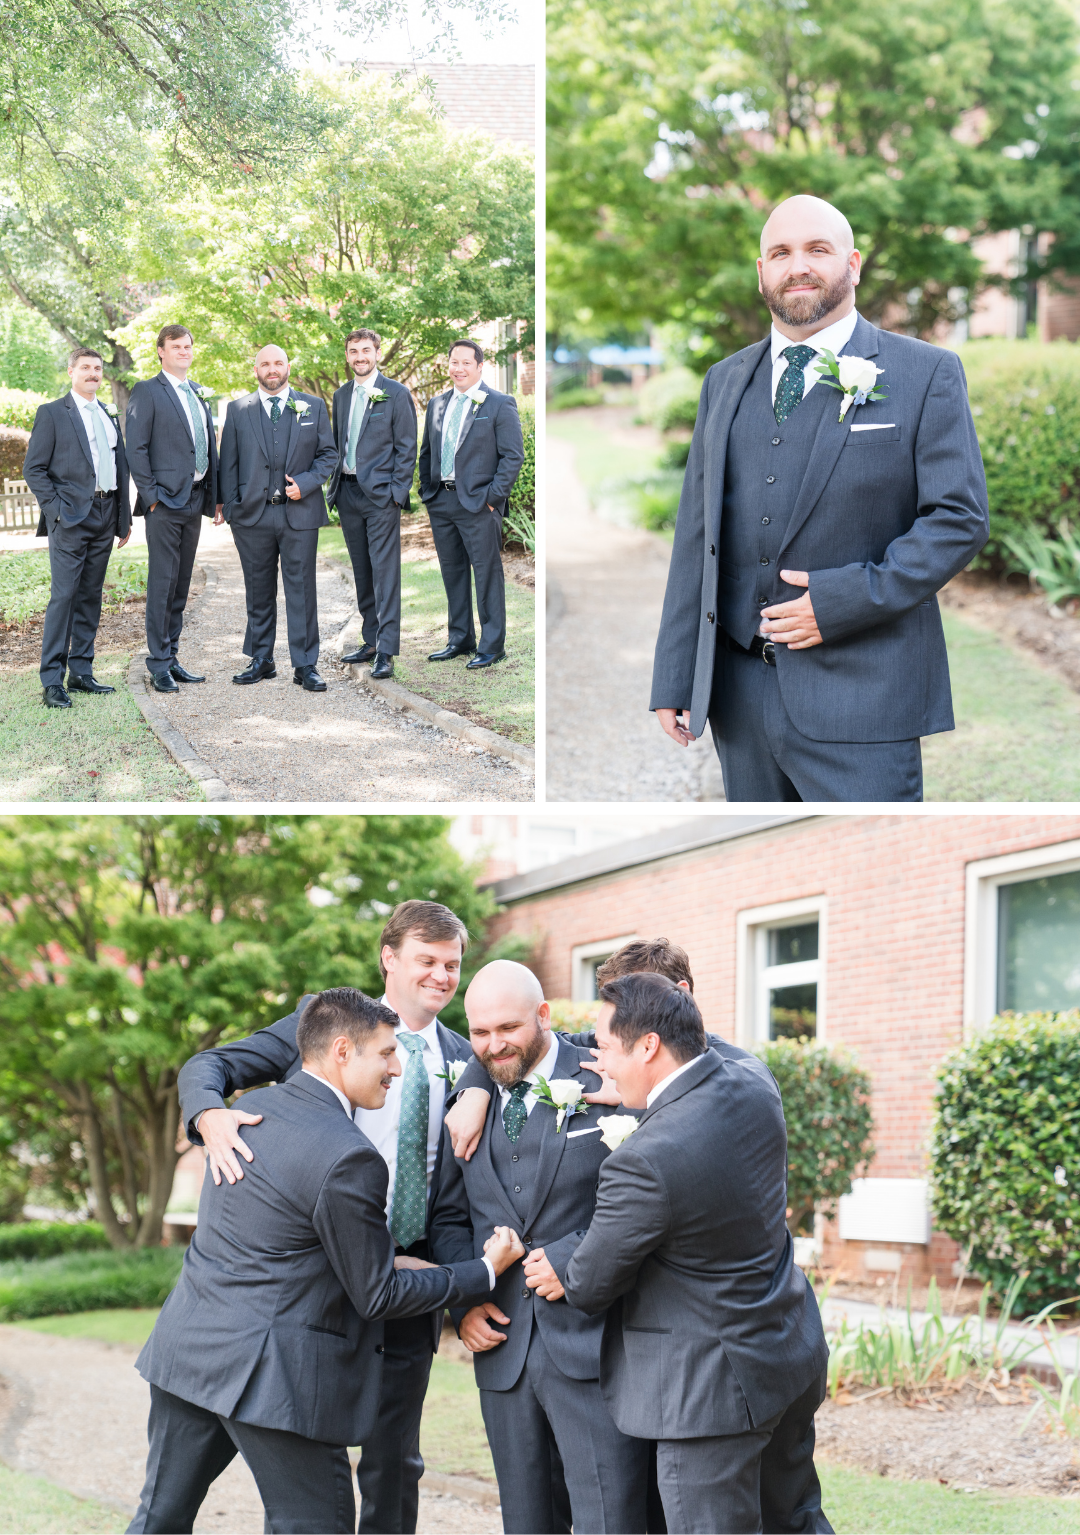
583 957
751 926
983 880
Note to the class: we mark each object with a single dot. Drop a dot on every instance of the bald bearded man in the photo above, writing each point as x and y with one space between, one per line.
801 616
559 1458
277 450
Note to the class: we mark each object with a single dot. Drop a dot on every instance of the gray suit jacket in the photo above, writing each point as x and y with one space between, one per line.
883 519
160 448
311 459
277 1317
490 451
472 1202
59 468
712 1329
386 451
270 1055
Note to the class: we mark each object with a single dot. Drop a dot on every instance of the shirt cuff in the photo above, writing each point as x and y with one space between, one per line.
491 1271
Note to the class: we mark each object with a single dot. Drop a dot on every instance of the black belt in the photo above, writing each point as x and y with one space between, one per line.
345 475
764 649
276 500
449 485
103 495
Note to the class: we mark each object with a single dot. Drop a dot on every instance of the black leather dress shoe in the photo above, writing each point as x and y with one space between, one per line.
182 674
55 697
256 671
485 658
86 684
365 653
162 682
384 666
451 651
309 679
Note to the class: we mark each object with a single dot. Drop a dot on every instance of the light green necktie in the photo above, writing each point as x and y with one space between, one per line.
106 470
409 1221
356 417
451 427
198 426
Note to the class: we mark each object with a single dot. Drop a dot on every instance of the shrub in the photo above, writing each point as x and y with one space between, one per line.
1054 563
826 1099
13 444
103 1281
1006 1153
657 500
680 412
572 1017
25 584
49 1239
18 407
570 399
664 390
520 520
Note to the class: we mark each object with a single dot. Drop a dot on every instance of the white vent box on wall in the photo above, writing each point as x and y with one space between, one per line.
886 1210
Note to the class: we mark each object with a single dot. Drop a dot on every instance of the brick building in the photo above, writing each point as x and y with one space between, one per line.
896 936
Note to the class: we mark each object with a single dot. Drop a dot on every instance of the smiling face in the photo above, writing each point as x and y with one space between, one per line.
176 353
363 357
85 376
465 368
363 1073
271 368
633 1067
808 268
421 977
509 1021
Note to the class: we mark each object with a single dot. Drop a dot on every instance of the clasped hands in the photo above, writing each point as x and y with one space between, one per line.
476 1331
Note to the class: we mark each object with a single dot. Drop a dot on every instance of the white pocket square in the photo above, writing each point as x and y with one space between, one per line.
872 426
592 1130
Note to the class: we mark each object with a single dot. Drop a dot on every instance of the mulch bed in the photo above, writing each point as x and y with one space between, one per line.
1015 613
20 644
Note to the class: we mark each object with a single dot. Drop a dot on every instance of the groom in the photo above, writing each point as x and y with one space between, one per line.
800 616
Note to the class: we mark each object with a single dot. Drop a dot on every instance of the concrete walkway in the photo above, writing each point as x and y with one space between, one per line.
605 592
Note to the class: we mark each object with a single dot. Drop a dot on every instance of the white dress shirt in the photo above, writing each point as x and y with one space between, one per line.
366 387
281 394
667 1081
181 386
832 339
464 414
542 1068
83 409
381 1125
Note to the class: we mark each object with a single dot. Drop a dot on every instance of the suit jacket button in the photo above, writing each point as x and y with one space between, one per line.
525 1294
776 442
712 548
711 617
528 1238
517 1188
764 561
770 479
378 1348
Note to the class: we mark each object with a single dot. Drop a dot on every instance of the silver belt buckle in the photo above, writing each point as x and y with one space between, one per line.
768 653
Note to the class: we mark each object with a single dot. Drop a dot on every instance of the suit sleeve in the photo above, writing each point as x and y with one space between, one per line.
326 454
229 464
350 1221
951 525
630 1221
677 638
39 452
138 425
207 1079
510 448
403 424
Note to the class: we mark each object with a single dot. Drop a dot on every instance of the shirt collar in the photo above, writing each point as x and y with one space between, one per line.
338 1094
429 1034
667 1081
80 402
833 338
177 383
368 384
278 394
543 1068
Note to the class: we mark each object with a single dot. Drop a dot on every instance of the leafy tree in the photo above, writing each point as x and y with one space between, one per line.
30 355
129 943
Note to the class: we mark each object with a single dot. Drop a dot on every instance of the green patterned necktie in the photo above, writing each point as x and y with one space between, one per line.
275 411
198 427
789 391
450 435
409 1220
515 1113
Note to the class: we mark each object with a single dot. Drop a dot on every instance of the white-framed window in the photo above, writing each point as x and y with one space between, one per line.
780 971
1022 934
585 960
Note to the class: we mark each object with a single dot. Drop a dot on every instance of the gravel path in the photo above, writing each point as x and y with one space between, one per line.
275 742
74 1411
605 592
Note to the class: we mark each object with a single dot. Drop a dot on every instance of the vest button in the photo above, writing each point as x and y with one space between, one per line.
711 617
515 1157
758 598
776 442
378 1348
770 479
517 1188
525 1294
764 522
712 548
764 561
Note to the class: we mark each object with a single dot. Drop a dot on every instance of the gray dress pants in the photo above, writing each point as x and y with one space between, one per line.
468 546
373 539
172 538
78 560
261 547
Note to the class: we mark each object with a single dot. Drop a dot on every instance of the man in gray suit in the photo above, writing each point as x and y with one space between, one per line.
277 450
469 459
800 616
172 451
375 431
271 1343
76 467
560 1460
713 1344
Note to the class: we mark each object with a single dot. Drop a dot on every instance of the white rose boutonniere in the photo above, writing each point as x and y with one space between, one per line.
376 394
855 377
477 396
301 407
615 1128
110 409
453 1073
203 392
563 1097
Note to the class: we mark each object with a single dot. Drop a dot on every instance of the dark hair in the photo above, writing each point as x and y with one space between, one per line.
647 1003
422 919
173 333
342 1010
474 347
84 351
659 955
364 335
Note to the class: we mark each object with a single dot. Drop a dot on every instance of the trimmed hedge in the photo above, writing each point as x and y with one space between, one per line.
48 1239
18 407
88 1282
14 442
1006 1153
520 521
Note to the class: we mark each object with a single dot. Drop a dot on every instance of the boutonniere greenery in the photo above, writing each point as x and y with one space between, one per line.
855 377
564 1097
614 1129
203 392
376 394
477 396
301 407
110 409
453 1073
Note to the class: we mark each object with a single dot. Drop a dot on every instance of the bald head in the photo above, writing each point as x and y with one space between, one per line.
804 215
509 1021
504 978
271 368
808 268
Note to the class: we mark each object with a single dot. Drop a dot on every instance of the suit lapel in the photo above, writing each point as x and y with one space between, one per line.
831 436
291 427
438 416
552 1146
486 1167
718 425
467 423
177 403
703 1067
77 428
260 424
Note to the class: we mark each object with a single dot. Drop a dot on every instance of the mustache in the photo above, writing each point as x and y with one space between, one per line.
802 282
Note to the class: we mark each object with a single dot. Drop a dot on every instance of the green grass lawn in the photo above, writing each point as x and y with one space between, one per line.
1017 735
500 697
859 1503
598 457
130 1327
30 1506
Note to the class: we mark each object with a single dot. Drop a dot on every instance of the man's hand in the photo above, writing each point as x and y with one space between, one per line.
403 1261
120 542
503 1249
541 1277
152 505
474 1331
792 623
219 1129
219 514
292 489
672 722
466 1121
608 1092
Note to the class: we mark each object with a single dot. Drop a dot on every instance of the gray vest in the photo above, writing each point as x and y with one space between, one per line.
764 468
276 437
516 1162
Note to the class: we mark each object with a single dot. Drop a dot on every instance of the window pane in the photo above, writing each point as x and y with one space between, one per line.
1039 944
793 945
591 967
793 1011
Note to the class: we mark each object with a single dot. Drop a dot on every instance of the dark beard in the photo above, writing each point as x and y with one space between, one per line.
807 308
516 1069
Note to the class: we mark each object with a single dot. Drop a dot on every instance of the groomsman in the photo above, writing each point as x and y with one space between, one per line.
77 469
469 459
375 432
277 450
172 451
